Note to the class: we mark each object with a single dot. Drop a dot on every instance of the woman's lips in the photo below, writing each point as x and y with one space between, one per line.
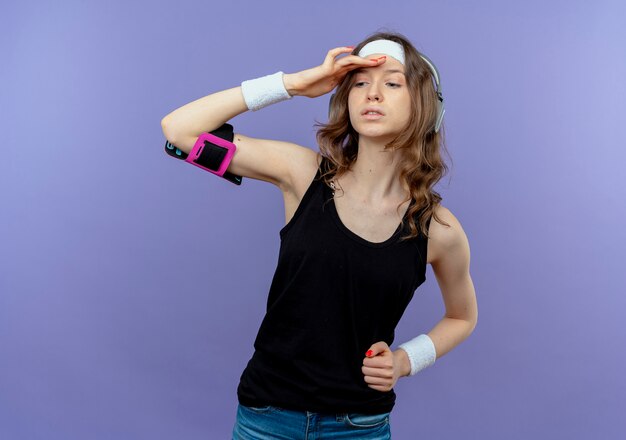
372 116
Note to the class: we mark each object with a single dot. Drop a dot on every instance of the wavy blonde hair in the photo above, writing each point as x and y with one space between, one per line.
422 165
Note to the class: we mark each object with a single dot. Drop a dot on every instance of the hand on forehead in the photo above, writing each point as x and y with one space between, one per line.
389 65
383 47
390 61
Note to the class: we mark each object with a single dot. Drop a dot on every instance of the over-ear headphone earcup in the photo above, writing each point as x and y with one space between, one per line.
440 107
440 111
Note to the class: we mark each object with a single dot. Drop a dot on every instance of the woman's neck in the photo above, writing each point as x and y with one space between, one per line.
374 175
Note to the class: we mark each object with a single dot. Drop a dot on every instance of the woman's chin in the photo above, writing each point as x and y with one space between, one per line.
376 135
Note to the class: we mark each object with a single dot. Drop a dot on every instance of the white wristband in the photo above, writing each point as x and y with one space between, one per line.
263 91
421 352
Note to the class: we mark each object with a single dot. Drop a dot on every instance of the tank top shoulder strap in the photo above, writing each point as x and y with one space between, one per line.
314 187
322 167
416 219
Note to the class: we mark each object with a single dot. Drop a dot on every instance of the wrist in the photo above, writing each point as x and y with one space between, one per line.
404 364
290 81
421 352
266 90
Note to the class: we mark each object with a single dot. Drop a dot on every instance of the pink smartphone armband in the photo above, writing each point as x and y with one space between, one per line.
212 153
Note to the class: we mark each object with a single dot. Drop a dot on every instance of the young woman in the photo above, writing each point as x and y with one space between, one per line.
357 238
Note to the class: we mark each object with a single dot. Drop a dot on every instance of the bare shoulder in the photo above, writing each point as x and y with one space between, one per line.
446 239
302 172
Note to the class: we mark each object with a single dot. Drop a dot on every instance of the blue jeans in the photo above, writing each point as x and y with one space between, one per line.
272 422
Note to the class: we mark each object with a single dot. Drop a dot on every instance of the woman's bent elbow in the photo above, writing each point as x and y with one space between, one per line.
167 131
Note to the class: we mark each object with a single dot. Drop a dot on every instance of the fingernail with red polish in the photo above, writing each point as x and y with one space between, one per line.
369 353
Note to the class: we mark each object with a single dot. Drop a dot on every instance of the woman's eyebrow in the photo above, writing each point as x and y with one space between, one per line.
365 70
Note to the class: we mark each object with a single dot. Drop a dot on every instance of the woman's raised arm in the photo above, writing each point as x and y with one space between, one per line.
264 159
203 115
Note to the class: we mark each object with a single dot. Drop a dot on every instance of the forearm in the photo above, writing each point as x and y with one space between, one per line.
448 333
292 83
210 112
204 114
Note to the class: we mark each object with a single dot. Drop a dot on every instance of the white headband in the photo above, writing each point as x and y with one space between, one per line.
388 47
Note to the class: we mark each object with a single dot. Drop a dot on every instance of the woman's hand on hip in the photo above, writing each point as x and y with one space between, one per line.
382 367
320 80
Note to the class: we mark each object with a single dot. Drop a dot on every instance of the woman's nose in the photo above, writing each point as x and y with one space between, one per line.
373 93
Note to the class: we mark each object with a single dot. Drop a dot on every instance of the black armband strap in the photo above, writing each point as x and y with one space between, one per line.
209 153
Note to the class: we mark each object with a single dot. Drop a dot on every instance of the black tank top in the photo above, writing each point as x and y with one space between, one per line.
332 296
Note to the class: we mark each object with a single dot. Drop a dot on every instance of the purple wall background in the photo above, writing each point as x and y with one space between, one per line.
132 285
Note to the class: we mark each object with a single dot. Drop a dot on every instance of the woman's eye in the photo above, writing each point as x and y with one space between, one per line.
360 83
